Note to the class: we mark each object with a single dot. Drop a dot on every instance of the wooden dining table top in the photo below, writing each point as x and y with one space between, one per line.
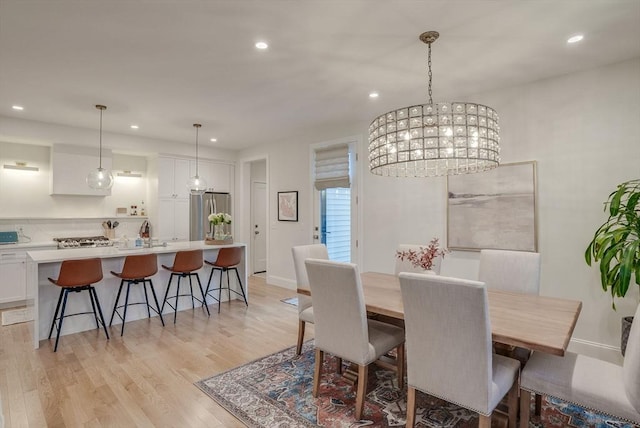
539 323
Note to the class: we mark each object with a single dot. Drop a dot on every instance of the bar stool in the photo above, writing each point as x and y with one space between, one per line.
137 269
228 259
77 276
185 264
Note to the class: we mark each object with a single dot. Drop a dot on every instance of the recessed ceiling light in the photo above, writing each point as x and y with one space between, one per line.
262 45
213 140
374 95
575 39
20 108
134 126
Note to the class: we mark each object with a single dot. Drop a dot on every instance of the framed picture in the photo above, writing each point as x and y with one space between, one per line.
288 206
495 209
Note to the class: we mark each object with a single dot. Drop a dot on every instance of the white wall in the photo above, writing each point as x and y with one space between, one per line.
582 129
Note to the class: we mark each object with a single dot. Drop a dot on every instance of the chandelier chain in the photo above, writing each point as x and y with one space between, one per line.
430 75
100 153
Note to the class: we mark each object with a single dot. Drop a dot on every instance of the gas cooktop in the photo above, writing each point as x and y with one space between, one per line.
83 242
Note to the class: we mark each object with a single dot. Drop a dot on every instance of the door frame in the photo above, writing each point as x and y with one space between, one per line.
243 205
355 175
252 211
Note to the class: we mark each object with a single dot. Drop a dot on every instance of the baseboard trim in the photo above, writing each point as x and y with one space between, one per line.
596 350
282 282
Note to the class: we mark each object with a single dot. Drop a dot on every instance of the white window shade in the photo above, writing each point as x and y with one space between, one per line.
332 167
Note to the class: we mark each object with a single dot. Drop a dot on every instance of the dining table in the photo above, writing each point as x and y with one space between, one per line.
538 323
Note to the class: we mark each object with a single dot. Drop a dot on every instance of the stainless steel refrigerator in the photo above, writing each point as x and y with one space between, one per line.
200 208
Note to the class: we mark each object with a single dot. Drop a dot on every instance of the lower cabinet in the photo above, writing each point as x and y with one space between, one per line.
13 277
173 220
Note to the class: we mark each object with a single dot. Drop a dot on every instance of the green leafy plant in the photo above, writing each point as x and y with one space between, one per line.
616 244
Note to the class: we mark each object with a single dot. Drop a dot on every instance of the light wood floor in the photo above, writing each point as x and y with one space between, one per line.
145 378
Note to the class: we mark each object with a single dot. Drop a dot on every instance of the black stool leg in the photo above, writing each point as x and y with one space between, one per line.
193 302
244 296
115 305
175 312
126 304
146 297
55 314
95 296
209 283
166 294
228 285
93 305
220 291
153 291
204 296
64 305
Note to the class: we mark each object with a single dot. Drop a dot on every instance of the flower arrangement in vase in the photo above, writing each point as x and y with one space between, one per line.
424 257
218 220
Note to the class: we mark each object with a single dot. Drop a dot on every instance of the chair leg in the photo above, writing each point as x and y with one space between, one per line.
362 390
115 305
317 371
93 306
485 421
411 407
104 325
155 299
126 305
525 408
301 325
339 365
64 305
400 365
538 408
166 294
175 312
55 314
208 285
193 302
204 295
146 296
513 404
244 296
220 292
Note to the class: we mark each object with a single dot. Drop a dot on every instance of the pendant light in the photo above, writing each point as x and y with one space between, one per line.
100 179
196 184
431 140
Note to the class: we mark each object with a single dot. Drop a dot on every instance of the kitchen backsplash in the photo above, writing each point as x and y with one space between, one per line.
44 230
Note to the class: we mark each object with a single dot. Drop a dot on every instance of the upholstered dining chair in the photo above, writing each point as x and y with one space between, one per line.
342 328
449 352
305 308
406 266
510 270
585 381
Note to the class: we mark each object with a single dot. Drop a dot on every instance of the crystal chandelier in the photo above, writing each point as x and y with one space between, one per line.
430 140
100 178
196 184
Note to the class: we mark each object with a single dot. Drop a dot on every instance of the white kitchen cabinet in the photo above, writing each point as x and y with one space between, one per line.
221 177
13 277
173 220
173 175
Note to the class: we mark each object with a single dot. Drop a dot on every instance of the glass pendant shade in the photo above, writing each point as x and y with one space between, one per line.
434 139
100 179
196 184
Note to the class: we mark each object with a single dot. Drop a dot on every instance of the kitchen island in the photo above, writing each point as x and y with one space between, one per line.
42 295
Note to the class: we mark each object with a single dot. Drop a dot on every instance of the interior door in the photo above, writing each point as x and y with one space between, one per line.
258 225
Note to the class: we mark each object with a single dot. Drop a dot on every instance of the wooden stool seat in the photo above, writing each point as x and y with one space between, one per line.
137 269
77 276
186 263
228 259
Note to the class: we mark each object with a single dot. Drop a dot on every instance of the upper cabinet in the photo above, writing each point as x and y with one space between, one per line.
173 175
218 175
70 166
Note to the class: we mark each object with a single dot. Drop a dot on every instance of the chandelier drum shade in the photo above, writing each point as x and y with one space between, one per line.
196 184
430 140
100 178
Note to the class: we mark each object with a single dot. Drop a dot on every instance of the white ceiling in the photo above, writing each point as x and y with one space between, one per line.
165 65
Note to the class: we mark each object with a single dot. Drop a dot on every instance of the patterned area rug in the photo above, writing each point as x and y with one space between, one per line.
275 391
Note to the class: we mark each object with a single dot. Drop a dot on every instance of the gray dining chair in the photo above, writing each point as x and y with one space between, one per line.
305 307
406 266
585 381
342 328
510 270
449 352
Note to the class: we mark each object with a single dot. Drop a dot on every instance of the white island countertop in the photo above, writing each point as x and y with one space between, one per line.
51 256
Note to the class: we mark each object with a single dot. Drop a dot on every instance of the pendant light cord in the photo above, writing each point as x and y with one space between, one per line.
100 154
197 126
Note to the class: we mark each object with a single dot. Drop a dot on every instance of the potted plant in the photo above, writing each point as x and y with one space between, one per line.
424 257
616 245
